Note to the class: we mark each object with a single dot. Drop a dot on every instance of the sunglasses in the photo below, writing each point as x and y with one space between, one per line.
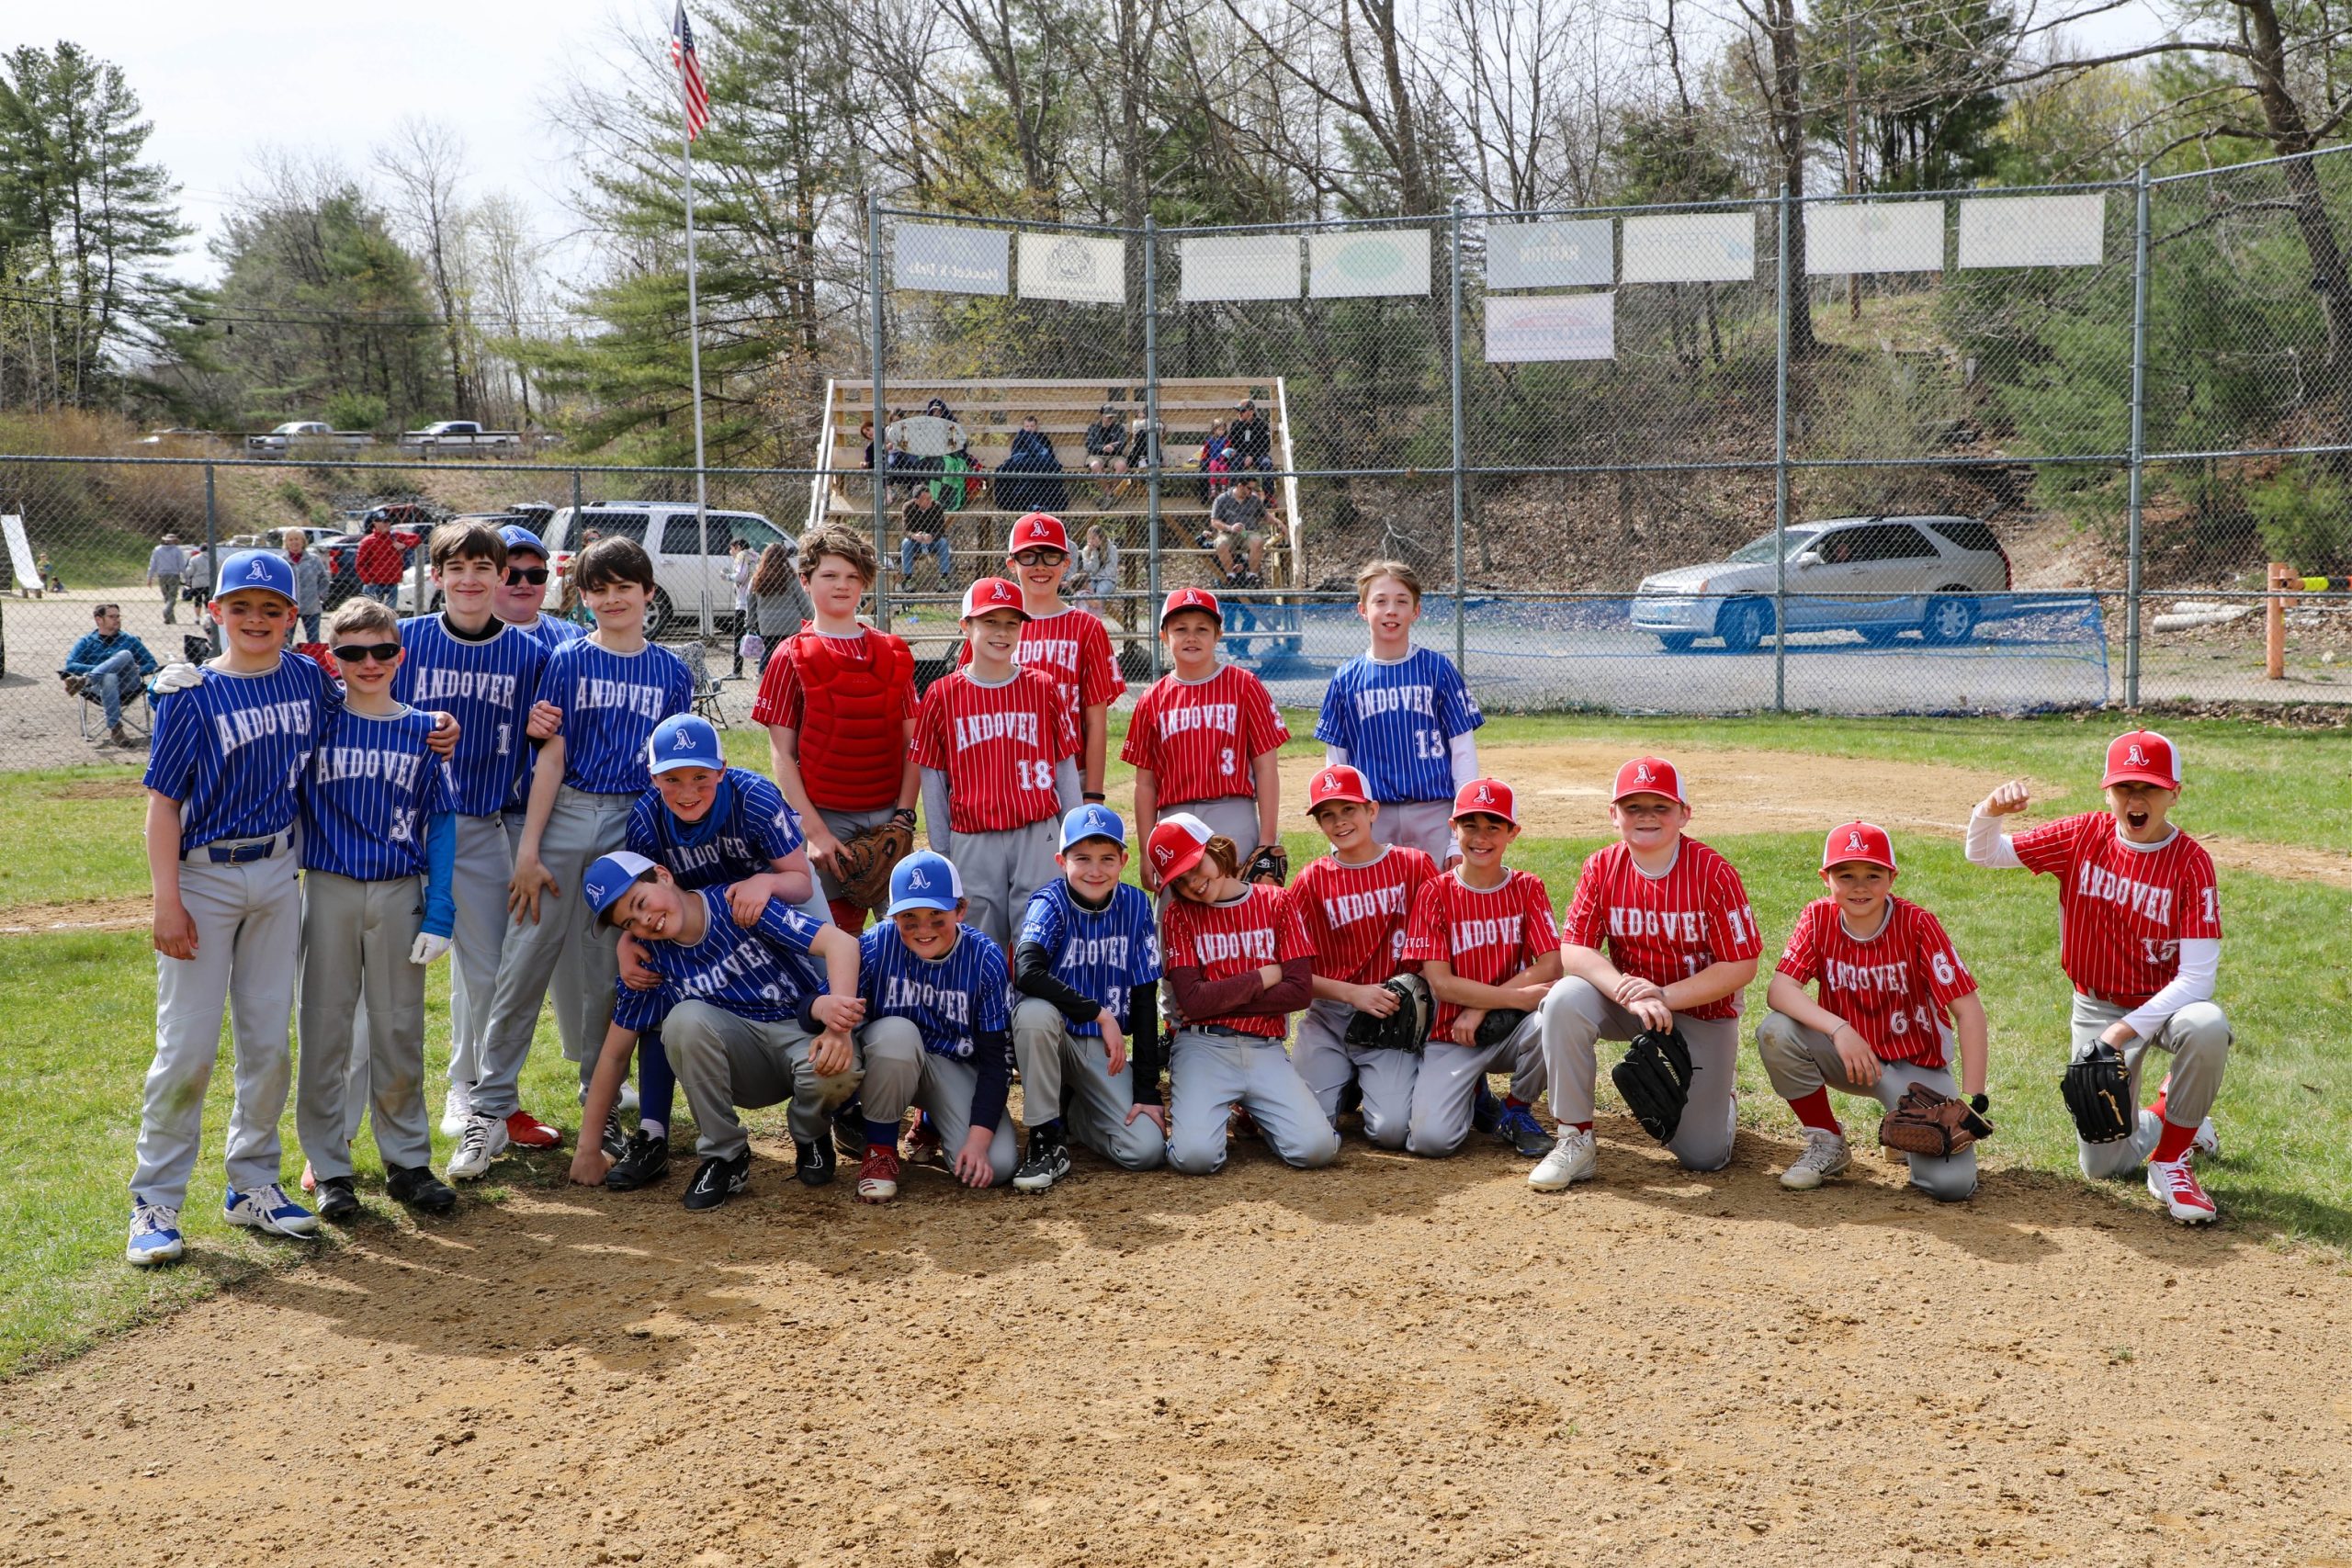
1039 558
381 652
537 576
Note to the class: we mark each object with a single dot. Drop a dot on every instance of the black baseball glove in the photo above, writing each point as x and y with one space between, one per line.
1497 1025
1407 1028
1268 862
2099 1093
1654 1079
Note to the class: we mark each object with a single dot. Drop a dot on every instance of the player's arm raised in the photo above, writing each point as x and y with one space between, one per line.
1987 844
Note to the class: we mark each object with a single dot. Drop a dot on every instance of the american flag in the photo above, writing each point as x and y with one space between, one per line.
681 51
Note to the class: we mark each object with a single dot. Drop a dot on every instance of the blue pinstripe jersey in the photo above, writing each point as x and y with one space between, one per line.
231 748
611 703
488 687
748 827
1397 722
1103 954
371 786
551 634
761 972
951 1000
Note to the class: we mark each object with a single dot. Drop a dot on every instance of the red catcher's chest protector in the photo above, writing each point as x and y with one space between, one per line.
852 740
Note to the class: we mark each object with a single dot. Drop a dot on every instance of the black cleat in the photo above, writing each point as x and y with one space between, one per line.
813 1163
336 1200
849 1128
645 1161
416 1187
717 1180
1046 1162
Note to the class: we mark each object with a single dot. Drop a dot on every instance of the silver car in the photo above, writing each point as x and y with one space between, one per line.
1879 576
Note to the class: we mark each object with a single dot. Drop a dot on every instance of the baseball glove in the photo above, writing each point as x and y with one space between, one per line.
1925 1123
1654 1079
1407 1029
2099 1092
1268 862
1497 1025
863 866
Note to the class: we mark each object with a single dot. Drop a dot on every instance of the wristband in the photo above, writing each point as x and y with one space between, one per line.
904 817
1094 795
1979 1104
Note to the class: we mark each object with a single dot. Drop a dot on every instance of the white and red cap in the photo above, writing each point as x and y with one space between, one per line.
1191 599
1177 844
1038 531
993 594
1648 775
2142 757
1864 842
1338 781
1485 797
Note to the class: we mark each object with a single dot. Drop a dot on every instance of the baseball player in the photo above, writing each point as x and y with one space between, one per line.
754 1015
1064 640
937 1033
997 746
708 825
380 836
1403 717
1238 965
610 689
1355 903
1086 1009
1894 997
1659 934
838 699
1485 942
2139 921
1204 736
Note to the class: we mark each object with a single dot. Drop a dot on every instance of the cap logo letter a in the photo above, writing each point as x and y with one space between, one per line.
1853 841
1486 795
1642 773
258 573
2138 759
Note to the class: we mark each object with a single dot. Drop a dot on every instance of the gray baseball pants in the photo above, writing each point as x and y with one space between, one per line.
841 824
484 868
249 944
1446 1090
1800 1060
1233 816
1000 871
1209 1073
1326 1062
900 1072
2198 1039
356 943
1425 825
1068 1076
1574 1015
724 1061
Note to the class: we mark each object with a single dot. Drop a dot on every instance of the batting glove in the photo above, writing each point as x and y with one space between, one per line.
178 676
428 948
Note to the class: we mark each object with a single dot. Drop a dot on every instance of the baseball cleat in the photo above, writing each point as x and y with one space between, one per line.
456 1106
154 1236
625 1102
416 1187
526 1131
267 1209
1520 1129
1046 1162
614 1143
1826 1155
814 1162
338 1199
1572 1160
483 1140
849 1128
2209 1139
2176 1186
717 1180
644 1160
878 1175
921 1146
1485 1110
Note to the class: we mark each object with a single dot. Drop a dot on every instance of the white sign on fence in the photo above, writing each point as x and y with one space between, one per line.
1691 247
1368 262
1239 267
1874 236
951 261
1084 269
1524 327
20 554
1577 253
2033 230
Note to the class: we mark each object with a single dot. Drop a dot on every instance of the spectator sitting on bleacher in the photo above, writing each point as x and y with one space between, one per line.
926 530
1106 445
1098 567
1032 454
1241 515
1248 442
1215 461
1140 449
112 661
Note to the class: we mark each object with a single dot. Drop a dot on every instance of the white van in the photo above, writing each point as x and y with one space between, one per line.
683 574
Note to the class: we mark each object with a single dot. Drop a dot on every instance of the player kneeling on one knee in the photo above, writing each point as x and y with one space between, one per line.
2141 941
1238 965
1658 936
752 1015
1086 1013
1893 995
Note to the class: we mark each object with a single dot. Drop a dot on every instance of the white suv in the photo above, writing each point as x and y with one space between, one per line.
683 572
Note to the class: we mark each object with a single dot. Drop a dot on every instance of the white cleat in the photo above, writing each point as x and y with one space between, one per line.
483 1140
1826 1155
2176 1188
1572 1160
456 1108
2209 1139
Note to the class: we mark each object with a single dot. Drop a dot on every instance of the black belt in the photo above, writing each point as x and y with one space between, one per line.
1219 1029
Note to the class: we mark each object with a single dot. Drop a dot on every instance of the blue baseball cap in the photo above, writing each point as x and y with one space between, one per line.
683 740
265 569
518 537
924 881
1094 820
610 878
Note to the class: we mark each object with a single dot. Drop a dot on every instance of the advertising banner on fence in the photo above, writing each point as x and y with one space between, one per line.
2033 230
1578 254
21 555
1522 328
1239 267
1084 269
1874 236
1368 262
1691 247
951 261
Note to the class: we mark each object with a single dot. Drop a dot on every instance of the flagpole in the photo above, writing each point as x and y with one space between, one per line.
694 338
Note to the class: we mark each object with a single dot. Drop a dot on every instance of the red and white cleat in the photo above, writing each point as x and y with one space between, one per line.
2176 1186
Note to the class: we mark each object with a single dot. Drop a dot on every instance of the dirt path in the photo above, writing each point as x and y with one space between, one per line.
81 915
1391 1361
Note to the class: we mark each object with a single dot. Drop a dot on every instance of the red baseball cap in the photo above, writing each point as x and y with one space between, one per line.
1485 797
1338 781
1857 840
1038 531
1191 599
992 594
1649 775
2142 757
1176 845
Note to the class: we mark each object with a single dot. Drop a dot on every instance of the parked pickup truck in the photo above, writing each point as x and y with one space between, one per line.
461 435
306 433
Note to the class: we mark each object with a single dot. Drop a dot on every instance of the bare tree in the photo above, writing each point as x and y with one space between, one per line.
424 162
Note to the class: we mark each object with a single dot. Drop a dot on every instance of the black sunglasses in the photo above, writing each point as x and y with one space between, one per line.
1039 558
381 652
537 576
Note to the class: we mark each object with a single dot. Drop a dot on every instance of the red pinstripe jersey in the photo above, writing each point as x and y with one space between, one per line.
1355 915
2123 911
1224 939
1485 934
1071 646
1664 929
997 746
1895 986
1198 736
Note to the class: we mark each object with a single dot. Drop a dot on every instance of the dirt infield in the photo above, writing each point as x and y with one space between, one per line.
1390 1362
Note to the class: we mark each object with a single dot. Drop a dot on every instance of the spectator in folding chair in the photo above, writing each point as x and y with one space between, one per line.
112 664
